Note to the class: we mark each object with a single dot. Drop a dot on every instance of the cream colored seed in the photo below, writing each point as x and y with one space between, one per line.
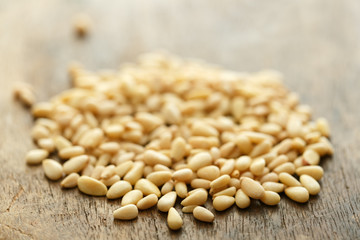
91 138
108 172
261 148
174 219
47 144
273 186
223 202
167 201
242 200
270 198
314 171
110 147
181 189
178 149
200 183
323 127
310 184
209 172
135 173
70 181
226 149
53 170
123 168
131 197
70 152
36 156
188 209
42 109
160 167
167 187
97 172
243 163
228 167
76 164
298 194
252 188
159 178
147 187
147 202
202 214
114 131
278 161
204 130
227 192
311 157
288 180
200 160
152 158
118 189
270 177
61 143
127 212
234 182
197 198
183 175
288 167
257 166
91 186
148 121
244 144
220 181
110 181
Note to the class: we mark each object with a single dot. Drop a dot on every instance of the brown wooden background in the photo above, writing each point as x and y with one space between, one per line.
314 43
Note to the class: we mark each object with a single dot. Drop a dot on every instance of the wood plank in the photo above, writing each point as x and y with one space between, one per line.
314 43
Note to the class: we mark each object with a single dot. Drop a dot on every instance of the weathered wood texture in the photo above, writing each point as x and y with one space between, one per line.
314 43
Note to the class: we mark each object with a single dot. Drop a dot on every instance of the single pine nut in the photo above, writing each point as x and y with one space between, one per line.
244 144
287 167
181 189
204 130
167 201
152 158
147 202
159 178
257 166
70 152
91 186
61 143
202 214
118 189
252 188
243 163
178 149
131 197
183 175
70 181
200 160
242 200
197 198
76 164
110 147
92 138
36 156
135 173
200 183
53 170
288 180
123 168
47 144
278 161
311 157
97 172
323 127
148 121
127 212
298 194
270 177
174 219
273 186
234 182
167 187
188 209
108 172
314 171
227 192
147 187
209 172
310 184
270 198
42 109
262 148
220 182
226 149
228 167
223 202
110 181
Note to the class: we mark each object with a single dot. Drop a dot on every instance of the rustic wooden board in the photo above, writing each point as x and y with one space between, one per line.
314 43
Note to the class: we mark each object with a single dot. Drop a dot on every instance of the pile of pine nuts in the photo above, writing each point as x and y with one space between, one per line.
165 129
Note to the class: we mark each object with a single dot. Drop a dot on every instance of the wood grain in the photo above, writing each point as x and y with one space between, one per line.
314 43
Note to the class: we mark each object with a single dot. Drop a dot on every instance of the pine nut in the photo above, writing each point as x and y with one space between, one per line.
270 198
118 189
314 171
311 157
127 212
244 144
178 149
202 214
310 184
183 175
220 181
70 181
131 197
53 170
181 189
243 163
257 166
234 182
147 187
36 156
152 158
228 167
261 148
287 167
70 152
46 144
209 173
167 201
278 161
134 173
167 187
273 186
227 192
110 181
241 199
200 183
174 219
61 143
288 180
97 172
197 198
298 194
91 186
159 178
223 202
76 164
252 188
108 172
147 202
270 177
188 209
200 160
323 126
123 168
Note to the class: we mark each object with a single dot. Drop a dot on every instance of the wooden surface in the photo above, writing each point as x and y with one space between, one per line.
314 43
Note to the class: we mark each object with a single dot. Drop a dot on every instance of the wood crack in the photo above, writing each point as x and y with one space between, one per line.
13 200
17 230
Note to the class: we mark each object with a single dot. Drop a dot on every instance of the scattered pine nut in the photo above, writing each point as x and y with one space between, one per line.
53 170
147 202
310 184
127 212
174 219
70 181
91 186
298 194
118 189
36 156
202 214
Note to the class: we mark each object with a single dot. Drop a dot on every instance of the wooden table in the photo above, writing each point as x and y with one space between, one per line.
314 43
